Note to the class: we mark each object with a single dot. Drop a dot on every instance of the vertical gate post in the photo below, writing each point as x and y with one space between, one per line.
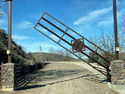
8 69
9 52
115 30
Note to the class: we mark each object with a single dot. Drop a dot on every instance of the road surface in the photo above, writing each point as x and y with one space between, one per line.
64 78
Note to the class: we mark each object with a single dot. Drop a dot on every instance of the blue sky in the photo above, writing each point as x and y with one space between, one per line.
87 17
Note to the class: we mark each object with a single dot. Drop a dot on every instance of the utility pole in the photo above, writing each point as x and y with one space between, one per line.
9 51
115 31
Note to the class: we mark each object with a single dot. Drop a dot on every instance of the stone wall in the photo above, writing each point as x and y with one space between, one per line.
118 72
8 76
9 81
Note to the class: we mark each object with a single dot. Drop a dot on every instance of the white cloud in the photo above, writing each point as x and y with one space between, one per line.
16 37
44 30
110 21
41 29
119 13
54 37
92 15
44 45
1 21
105 23
35 46
25 25
4 23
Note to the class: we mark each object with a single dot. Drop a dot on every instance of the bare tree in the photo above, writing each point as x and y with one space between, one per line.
67 53
2 11
122 33
122 27
96 40
107 41
52 50
60 52
80 54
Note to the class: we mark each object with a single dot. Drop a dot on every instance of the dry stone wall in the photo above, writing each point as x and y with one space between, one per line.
118 72
9 80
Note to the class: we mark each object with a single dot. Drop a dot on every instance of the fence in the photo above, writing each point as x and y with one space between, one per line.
18 71
0 75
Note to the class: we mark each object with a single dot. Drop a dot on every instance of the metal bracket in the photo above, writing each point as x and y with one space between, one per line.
63 35
78 45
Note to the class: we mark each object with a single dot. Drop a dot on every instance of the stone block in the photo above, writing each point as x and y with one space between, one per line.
118 72
8 75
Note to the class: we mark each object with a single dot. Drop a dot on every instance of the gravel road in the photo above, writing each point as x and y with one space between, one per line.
64 78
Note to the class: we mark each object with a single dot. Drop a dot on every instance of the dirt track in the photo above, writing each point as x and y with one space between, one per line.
64 78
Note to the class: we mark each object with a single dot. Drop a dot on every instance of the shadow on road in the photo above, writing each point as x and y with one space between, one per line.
88 76
54 76
26 79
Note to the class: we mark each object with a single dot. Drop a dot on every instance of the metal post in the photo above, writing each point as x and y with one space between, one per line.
115 30
9 31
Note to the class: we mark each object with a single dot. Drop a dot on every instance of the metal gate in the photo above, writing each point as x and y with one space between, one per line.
74 40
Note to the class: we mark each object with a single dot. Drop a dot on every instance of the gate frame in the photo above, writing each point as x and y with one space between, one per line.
107 74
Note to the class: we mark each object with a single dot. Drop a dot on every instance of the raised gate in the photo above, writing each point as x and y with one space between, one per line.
68 38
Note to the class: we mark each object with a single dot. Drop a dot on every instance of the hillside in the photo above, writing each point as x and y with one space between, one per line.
52 57
3 46
27 62
18 55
